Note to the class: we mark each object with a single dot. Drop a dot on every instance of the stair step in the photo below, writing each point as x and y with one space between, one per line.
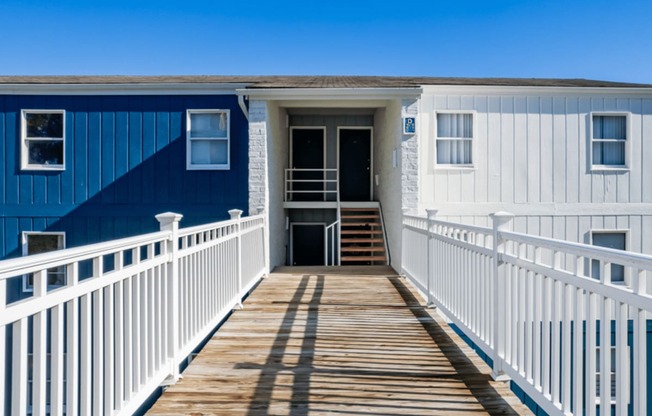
349 217
363 258
349 232
362 249
360 224
362 240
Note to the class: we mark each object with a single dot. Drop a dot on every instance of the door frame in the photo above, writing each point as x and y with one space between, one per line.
292 224
371 155
324 150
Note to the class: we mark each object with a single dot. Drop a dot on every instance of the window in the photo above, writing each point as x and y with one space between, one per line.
43 133
208 139
609 141
614 365
454 139
48 380
35 243
609 239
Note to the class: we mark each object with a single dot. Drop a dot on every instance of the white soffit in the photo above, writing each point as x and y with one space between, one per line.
322 94
533 90
121 89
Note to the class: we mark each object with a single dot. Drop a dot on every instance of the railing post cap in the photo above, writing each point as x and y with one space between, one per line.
502 214
432 212
501 218
260 210
235 213
169 217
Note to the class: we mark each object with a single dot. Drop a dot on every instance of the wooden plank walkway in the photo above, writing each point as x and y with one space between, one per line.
350 340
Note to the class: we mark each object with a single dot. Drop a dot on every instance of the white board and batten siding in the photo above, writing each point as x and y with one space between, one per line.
531 156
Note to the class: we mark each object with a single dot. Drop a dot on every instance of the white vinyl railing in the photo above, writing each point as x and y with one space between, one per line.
332 244
130 313
572 342
311 185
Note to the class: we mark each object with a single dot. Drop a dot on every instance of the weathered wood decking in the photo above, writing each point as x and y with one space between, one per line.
348 340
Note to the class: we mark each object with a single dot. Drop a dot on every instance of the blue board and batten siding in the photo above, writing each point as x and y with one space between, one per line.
125 161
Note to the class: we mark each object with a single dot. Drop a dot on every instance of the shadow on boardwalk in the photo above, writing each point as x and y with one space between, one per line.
350 340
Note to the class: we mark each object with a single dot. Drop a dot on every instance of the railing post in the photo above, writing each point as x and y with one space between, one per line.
405 212
169 221
3 346
266 254
432 213
236 214
502 221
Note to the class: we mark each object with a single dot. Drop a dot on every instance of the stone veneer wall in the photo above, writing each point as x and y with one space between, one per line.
257 156
410 159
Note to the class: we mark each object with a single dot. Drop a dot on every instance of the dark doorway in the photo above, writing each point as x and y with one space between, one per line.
307 153
307 244
355 164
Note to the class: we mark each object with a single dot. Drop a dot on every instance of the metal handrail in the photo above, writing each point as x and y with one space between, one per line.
332 230
289 181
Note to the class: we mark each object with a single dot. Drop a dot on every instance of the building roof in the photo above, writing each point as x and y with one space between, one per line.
312 81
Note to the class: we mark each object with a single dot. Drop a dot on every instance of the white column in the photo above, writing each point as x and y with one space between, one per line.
405 211
502 221
261 211
432 213
169 221
235 215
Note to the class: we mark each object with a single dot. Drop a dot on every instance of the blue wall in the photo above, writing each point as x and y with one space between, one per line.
125 159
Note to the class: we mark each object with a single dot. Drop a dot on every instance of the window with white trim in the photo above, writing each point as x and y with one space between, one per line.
208 145
610 239
42 139
48 380
609 141
454 139
612 373
43 242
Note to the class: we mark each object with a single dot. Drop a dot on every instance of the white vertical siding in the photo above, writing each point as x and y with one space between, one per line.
531 156
646 151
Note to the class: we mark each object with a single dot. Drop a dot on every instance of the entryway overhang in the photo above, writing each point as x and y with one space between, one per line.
309 191
330 97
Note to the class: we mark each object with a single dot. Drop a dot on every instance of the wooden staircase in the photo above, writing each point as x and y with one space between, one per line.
361 236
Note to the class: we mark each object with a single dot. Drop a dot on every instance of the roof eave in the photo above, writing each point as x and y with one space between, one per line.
535 90
330 93
123 89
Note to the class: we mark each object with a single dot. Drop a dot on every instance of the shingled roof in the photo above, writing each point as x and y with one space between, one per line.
313 81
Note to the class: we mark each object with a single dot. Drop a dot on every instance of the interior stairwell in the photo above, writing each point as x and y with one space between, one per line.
362 237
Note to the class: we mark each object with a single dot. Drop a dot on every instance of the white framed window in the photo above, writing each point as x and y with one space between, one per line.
42 139
614 365
615 239
48 380
609 140
454 138
208 144
43 242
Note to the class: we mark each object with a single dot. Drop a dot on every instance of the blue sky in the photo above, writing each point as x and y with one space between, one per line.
608 40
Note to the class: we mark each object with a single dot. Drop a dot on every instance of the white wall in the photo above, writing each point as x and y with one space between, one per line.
268 151
531 158
387 140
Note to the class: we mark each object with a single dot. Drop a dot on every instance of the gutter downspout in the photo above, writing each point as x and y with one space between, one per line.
243 106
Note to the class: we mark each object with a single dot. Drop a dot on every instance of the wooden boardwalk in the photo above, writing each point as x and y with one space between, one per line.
348 340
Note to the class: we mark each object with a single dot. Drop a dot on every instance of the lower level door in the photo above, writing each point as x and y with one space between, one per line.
307 244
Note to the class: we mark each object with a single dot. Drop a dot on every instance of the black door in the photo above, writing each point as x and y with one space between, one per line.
355 164
307 245
307 153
